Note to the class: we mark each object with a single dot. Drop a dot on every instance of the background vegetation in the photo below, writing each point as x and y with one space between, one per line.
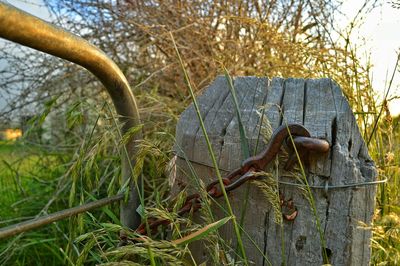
77 160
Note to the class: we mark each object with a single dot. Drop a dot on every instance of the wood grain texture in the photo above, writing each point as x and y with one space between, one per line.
320 106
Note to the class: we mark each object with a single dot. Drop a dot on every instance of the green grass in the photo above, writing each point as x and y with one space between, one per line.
25 186
32 177
86 165
213 158
18 176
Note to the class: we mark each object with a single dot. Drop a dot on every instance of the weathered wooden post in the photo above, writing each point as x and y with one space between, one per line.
339 180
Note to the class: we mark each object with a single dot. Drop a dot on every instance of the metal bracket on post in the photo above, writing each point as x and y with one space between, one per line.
28 30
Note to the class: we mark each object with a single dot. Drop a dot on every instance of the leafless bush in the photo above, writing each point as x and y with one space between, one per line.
265 38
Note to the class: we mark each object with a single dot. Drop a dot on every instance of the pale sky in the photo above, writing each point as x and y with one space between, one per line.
379 33
35 7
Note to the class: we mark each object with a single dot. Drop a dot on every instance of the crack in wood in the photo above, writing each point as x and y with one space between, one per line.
282 108
259 122
266 227
304 102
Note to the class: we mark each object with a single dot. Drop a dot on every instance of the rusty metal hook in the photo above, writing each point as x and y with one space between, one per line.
260 161
302 141
247 172
304 145
289 210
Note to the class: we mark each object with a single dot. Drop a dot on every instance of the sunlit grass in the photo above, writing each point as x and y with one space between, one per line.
25 186
33 180
20 178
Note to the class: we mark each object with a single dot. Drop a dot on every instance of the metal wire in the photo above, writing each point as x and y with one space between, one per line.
327 187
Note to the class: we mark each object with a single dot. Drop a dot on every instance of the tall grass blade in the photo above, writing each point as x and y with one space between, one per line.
244 143
311 200
202 233
214 160
386 95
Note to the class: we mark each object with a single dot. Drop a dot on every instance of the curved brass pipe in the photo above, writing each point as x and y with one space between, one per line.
28 30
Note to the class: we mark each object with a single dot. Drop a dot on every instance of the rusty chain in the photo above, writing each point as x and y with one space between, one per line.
304 144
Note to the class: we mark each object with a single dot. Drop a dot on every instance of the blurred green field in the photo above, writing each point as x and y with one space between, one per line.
29 177
18 178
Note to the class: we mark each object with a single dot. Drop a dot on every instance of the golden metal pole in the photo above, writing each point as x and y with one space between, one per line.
28 30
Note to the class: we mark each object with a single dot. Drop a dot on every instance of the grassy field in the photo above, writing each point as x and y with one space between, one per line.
31 177
30 186
85 164
385 150
39 179
25 186
17 174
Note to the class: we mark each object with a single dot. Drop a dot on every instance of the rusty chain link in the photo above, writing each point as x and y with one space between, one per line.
303 143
